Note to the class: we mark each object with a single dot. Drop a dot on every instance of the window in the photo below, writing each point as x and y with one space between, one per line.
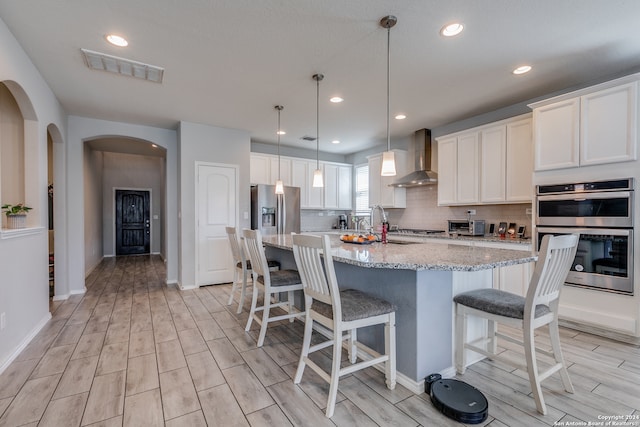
362 189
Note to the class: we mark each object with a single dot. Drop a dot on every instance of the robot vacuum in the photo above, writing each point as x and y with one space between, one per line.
457 399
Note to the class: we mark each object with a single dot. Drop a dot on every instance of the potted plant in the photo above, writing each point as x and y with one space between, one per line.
16 215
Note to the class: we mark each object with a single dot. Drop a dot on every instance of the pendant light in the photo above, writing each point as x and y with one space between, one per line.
388 157
317 174
279 185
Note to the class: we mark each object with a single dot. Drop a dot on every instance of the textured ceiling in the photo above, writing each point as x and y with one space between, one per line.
228 62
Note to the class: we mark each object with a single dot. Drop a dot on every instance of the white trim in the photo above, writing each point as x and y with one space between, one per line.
7 233
27 339
79 291
60 297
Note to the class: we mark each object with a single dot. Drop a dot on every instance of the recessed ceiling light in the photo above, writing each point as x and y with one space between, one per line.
401 117
117 40
335 141
154 145
336 99
452 29
281 132
522 69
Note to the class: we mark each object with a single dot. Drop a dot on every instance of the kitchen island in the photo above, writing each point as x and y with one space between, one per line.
421 278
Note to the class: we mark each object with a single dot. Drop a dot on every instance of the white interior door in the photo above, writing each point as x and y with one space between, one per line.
216 208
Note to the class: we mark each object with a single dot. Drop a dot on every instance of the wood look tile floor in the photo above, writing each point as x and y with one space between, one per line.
132 351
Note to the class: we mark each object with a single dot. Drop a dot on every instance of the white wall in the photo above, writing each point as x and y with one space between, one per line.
204 143
93 208
81 129
24 292
129 171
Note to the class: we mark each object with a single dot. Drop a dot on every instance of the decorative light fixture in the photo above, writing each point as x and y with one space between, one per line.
317 174
388 158
279 184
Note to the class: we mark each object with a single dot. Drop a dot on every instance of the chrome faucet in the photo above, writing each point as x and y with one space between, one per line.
383 219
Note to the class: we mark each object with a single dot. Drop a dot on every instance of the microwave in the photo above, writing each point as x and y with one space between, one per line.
465 227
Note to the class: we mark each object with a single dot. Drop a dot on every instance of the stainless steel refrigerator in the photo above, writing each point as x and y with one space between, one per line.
273 213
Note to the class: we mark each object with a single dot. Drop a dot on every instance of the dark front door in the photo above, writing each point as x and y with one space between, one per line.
132 222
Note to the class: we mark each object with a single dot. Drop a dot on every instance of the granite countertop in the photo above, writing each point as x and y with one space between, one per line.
419 255
443 235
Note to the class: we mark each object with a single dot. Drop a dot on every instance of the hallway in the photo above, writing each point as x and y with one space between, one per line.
133 351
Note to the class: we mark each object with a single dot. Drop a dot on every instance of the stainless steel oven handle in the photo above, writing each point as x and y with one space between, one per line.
587 196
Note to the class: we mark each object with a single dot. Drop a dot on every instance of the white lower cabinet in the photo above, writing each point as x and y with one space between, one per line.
513 278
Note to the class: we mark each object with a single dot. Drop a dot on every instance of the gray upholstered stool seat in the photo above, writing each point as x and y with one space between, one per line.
539 308
498 302
270 262
342 312
356 305
282 278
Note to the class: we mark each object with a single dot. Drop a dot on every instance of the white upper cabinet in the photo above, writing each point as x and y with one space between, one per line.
380 191
264 169
447 170
519 177
597 125
458 165
336 193
302 176
557 135
608 125
468 166
488 164
493 158
337 186
260 169
280 167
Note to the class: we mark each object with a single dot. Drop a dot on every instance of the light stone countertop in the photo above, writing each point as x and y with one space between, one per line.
415 256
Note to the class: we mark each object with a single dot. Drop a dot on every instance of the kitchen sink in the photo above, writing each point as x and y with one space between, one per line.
401 242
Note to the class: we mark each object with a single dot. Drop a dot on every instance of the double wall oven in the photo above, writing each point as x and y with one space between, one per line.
602 212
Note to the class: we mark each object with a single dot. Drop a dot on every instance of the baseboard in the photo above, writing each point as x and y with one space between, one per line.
171 282
61 297
607 333
27 339
79 292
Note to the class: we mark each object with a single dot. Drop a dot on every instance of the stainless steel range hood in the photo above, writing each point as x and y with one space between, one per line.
422 175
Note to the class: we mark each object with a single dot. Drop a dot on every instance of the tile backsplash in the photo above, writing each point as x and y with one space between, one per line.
423 212
319 220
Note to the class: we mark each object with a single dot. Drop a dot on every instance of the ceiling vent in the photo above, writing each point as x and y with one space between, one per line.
308 138
125 67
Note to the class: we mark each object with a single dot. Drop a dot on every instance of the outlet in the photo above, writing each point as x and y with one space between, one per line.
3 321
471 211
527 211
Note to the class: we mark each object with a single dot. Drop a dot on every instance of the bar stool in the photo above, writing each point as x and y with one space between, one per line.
271 282
339 311
539 308
243 267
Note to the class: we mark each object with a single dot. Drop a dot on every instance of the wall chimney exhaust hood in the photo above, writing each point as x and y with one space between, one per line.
422 175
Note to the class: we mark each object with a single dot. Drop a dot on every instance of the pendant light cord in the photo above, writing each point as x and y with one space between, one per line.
318 78
279 108
388 87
